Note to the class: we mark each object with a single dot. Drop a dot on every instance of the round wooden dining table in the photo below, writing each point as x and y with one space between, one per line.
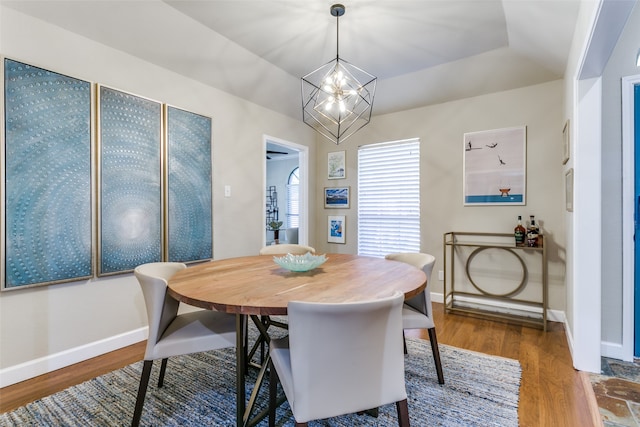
257 286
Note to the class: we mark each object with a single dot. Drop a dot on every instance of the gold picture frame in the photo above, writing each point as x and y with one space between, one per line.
336 166
336 197
336 229
566 142
568 186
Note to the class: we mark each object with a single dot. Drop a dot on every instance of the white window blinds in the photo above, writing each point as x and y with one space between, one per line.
389 198
293 199
293 206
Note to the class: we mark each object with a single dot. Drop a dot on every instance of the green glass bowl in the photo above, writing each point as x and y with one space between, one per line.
304 262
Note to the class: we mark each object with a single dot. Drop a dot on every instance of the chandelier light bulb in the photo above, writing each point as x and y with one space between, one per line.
329 105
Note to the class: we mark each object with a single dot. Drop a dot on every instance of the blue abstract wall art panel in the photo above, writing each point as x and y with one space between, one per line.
189 186
130 231
47 177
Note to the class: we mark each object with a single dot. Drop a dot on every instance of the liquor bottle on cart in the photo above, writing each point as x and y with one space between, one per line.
532 232
520 232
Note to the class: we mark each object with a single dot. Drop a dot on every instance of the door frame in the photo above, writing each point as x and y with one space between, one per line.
303 165
628 215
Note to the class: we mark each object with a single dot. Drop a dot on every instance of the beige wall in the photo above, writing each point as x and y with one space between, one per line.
42 321
440 129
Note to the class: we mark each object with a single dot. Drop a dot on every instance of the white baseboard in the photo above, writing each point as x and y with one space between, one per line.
614 351
437 297
33 368
569 334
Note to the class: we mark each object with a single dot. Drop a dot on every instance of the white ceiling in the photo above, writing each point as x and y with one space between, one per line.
422 51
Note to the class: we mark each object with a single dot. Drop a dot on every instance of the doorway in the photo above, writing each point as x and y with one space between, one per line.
631 218
634 114
636 145
286 189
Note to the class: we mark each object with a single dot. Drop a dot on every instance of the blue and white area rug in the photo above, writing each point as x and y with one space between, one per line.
199 390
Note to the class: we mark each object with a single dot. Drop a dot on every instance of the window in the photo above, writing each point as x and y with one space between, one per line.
389 198
293 202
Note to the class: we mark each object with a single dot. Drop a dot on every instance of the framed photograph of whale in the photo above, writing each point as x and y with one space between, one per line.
46 177
495 167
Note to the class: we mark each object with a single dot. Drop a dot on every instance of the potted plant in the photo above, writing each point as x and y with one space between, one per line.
275 227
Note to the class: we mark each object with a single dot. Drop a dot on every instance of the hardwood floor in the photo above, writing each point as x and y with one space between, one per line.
551 392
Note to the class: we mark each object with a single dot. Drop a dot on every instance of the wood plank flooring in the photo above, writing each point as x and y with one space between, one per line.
551 393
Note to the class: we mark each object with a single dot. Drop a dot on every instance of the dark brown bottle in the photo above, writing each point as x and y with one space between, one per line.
520 232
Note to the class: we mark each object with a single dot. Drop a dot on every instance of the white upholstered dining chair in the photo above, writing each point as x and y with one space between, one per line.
340 359
417 312
173 334
292 235
286 248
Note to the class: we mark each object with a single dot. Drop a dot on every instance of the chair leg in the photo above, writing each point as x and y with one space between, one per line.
142 390
273 388
403 413
436 354
265 320
404 342
163 368
373 412
246 344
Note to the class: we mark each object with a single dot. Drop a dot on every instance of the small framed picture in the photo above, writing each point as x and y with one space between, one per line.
336 197
566 142
336 168
336 229
568 187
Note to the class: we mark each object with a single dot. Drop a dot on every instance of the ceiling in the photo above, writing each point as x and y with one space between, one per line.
422 51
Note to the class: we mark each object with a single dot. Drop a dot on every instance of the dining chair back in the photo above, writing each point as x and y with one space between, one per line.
173 334
286 248
340 358
292 235
283 249
417 312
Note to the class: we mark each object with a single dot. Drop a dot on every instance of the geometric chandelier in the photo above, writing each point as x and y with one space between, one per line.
337 98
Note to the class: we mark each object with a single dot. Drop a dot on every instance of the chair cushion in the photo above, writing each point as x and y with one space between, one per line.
194 332
413 319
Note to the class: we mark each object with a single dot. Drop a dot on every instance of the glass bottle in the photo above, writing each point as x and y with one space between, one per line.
532 232
519 232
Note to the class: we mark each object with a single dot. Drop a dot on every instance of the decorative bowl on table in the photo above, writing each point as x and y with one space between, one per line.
304 262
